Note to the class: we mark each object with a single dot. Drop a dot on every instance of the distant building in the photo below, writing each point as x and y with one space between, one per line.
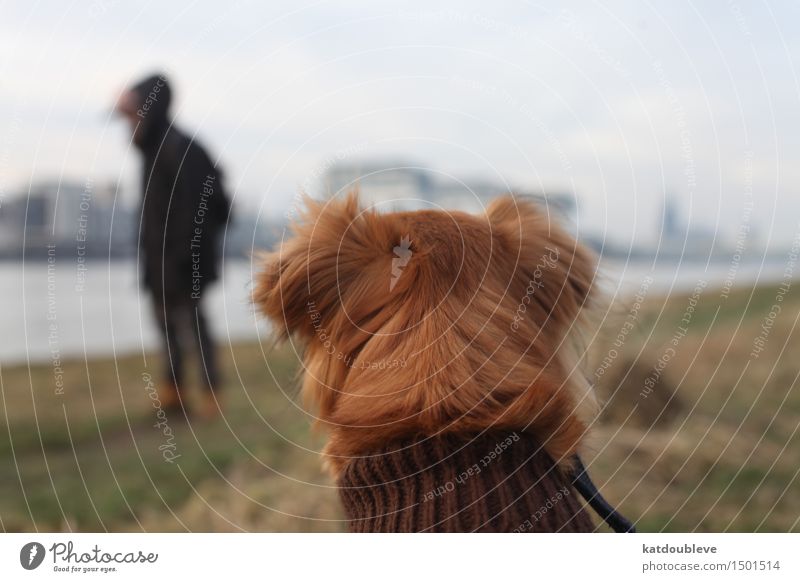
88 221
670 222
83 217
680 239
397 186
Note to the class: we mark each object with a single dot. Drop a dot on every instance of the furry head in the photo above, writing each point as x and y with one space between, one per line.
430 322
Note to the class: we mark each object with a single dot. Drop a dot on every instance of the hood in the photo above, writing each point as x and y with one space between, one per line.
155 96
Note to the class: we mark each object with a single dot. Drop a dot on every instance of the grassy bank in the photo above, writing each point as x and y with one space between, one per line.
92 458
701 422
706 441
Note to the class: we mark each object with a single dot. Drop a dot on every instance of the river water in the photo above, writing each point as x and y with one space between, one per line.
56 310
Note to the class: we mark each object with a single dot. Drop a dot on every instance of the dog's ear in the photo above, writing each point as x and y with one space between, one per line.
330 271
556 271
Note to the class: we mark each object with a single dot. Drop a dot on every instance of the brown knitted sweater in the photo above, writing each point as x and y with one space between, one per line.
496 482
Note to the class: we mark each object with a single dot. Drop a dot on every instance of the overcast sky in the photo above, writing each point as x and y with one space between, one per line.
617 103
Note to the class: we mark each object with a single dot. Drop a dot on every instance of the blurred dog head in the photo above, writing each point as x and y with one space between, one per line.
429 322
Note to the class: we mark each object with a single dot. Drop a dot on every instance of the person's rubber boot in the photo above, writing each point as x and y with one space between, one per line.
170 398
210 407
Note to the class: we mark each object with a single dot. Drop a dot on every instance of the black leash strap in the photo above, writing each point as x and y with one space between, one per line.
583 483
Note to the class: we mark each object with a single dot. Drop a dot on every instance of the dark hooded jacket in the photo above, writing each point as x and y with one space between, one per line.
184 205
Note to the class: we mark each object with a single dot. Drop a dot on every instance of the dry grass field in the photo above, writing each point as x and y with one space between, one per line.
696 433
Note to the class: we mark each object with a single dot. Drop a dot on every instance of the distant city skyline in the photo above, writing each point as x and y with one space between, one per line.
616 103
93 221
85 221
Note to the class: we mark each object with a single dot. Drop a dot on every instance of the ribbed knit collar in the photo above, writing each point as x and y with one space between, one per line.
495 482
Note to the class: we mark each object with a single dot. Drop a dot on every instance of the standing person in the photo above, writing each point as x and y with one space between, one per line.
184 210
